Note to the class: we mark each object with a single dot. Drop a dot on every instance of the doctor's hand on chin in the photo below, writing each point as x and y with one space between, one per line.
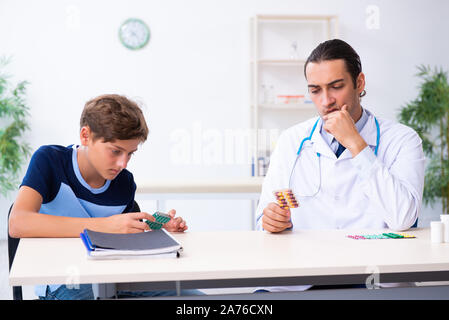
341 125
276 219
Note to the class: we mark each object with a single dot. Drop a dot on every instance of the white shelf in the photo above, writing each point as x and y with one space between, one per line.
293 18
287 106
218 185
282 62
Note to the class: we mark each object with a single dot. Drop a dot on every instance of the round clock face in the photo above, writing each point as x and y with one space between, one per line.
134 34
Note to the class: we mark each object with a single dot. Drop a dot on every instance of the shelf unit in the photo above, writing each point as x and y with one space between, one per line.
287 106
282 62
280 45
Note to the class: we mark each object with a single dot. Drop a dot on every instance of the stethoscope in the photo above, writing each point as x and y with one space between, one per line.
319 158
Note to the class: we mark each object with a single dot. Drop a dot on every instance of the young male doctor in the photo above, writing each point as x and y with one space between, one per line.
347 168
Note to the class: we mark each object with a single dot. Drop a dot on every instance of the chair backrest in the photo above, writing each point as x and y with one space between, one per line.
13 243
136 207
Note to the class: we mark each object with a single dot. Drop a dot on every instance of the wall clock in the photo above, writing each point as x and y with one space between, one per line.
134 34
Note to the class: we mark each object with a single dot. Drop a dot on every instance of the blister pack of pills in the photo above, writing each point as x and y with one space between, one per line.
386 235
286 199
161 219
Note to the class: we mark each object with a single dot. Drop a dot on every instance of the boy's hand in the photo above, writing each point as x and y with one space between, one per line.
275 218
175 224
128 222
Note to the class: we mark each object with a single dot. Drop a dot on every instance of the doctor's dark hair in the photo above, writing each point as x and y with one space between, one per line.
113 117
334 50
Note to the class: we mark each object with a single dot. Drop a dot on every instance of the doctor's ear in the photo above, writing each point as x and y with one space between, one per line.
361 85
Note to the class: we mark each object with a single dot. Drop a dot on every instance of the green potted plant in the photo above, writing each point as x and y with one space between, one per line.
13 113
428 114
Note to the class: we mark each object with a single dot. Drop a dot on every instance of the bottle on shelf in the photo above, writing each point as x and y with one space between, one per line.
263 162
271 95
264 94
294 53
261 166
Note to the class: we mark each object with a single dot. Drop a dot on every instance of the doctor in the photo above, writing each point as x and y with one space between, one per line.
347 168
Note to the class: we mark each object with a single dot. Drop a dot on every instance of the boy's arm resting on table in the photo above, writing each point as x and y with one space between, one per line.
25 221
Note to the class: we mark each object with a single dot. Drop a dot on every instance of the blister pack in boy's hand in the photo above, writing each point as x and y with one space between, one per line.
161 219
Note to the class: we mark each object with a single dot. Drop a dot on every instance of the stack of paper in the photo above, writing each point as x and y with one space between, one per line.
156 243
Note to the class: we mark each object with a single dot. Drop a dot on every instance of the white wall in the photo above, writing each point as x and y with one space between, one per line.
195 69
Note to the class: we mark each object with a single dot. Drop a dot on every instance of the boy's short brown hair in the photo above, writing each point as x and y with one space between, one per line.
114 117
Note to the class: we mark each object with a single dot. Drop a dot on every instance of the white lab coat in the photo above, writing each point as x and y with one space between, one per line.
366 192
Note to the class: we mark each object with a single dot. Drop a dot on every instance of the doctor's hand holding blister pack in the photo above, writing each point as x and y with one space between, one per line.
345 168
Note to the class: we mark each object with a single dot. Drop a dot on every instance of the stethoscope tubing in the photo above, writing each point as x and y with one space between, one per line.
319 155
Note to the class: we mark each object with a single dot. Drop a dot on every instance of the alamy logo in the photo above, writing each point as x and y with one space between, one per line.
73 277
373 280
372 21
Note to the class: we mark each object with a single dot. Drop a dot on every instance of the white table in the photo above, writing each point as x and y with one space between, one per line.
186 186
241 259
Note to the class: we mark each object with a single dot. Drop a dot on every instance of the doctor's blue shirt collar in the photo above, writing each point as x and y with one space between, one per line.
359 125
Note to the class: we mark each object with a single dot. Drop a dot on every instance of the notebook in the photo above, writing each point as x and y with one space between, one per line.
151 244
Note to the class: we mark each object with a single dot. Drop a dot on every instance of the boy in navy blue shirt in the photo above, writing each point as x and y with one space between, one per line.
69 189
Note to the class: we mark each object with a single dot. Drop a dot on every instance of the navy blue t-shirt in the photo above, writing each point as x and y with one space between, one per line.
54 173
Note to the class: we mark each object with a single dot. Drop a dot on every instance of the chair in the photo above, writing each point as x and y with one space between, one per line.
136 207
13 243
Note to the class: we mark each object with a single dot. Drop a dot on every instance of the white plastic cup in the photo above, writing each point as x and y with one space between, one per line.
436 231
445 221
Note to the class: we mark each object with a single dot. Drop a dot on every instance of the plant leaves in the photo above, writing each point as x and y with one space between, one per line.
428 115
13 150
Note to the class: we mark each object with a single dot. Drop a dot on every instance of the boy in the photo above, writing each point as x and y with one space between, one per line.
69 189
